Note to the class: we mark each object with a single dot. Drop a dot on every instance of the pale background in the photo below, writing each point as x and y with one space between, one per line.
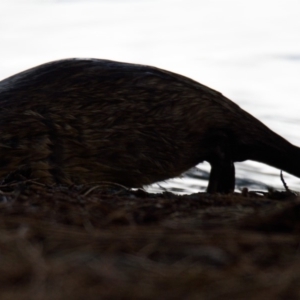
248 50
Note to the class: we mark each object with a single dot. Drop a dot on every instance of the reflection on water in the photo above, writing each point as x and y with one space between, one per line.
248 50
195 180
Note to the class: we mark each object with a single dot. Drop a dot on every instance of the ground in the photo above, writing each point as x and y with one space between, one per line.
106 242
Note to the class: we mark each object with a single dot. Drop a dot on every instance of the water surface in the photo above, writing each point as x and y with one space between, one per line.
248 50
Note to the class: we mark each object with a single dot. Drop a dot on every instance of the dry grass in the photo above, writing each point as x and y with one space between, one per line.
108 243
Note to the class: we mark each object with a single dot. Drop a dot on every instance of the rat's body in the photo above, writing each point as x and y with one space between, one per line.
82 121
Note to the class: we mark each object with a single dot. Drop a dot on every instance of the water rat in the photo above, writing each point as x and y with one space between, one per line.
78 121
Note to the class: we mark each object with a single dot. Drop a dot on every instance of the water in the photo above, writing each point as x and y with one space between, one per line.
248 50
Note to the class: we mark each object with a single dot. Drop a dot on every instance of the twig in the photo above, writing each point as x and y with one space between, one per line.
104 183
284 183
33 181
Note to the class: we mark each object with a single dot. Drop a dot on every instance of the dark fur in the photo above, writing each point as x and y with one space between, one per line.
80 121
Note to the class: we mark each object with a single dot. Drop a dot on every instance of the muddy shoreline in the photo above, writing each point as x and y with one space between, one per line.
105 242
